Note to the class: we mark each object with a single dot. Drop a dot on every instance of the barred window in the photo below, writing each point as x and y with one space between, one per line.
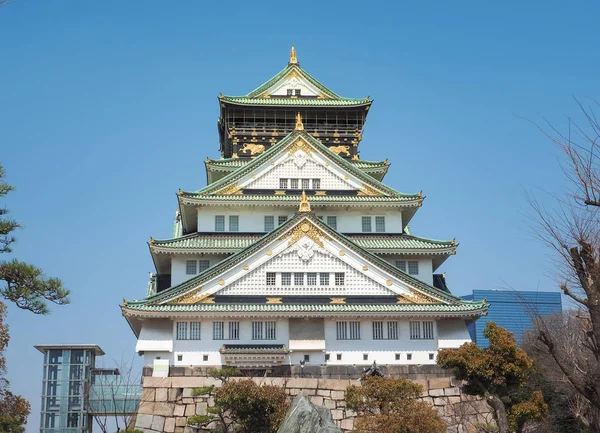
290 92
409 356
234 330
401 264
271 278
298 278
341 330
339 278
354 330
415 330
270 330
286 278
413 267
181 331
219 223
377 330
293 183
428 330
392 329
366 224
305 183
218 330
311 279
190 267
380 224
316 183
234 223
269 223
332 222
324 278
257 330
338 356
297 92
283 183
194 330
203 265
282 219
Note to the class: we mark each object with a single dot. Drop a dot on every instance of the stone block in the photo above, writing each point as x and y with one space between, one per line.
190 409
316 400
350 413
337 414
188 382
157 382
453 399
187 400
179 429
347 424
161 394
146 407
293 391
443 382
180 421
143 421
189 429
440 401
324 392
169 425
164 409
179 410
329 403
338 395
279 381
333 384
158 423
174 394
148 394
436 392
303 383
201 408
427 400
452 391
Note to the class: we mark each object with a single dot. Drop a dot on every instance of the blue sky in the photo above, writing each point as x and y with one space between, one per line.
107 108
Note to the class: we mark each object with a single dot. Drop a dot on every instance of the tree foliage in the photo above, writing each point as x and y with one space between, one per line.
391 405
497 373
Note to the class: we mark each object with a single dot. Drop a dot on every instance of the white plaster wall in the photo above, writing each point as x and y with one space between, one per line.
294 83
150 356
178 265
425 266
252 219
452 333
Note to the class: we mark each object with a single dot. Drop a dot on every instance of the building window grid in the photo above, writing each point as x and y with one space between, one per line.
380 224
271 278
269 223
218 330
377 330
340 278
281 219
293 183
191 267
366 224
270 330
257 330
342 329
234 223
195 330
219 223
305 183
316 183
234 330
354 330
181 331
401 264
283 183
413 267
324 278
203 265
311 279
392 328
422 330
286 278
298 278
332 222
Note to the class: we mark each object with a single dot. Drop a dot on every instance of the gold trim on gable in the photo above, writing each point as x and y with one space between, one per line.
233 189
337 301
307 229
274 301
369 191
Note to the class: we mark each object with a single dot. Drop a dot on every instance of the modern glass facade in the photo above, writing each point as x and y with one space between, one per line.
512 310
66 380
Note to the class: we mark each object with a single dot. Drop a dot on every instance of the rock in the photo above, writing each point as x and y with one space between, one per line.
305 417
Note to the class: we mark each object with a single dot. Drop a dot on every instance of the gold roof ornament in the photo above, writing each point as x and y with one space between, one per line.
293 59
304 204
299 124
180 192
152 241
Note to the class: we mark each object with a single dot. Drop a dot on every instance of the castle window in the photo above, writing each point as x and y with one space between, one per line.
269 223
190 267
219 223
179 357
297 92
298 278
290 92
270 330
282 219
181 331
401 264
311 279
316 183
306 358
339 356
413 267
203 265
431 356
366 224
293 183
271 278
339 278
234 330
409 356
257 330
305 183
421 330
327 356
286 278
205 358
194 330
397 357
332 222
341 329
377 330
324 278
392 328
354 330
218 330
234 223
365 356
380 224
283 183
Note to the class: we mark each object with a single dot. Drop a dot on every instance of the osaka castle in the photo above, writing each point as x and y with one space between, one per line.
296 252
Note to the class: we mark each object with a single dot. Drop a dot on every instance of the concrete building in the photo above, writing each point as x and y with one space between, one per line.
513 310
295 251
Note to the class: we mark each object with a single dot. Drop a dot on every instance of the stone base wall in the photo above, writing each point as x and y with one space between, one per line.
166 403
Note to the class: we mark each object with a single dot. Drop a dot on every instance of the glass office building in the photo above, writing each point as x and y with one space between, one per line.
66 381
513 310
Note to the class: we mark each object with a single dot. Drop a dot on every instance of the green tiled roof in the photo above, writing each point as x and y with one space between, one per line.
232 163
296 198
204 241
295 102
316 308
214 271
275 150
